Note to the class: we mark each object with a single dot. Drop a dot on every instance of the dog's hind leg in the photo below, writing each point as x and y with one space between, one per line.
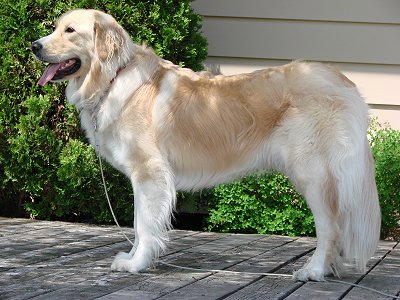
322 197
154 200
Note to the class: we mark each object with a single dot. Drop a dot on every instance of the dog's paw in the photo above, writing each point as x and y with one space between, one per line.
124 262
121 262
306 274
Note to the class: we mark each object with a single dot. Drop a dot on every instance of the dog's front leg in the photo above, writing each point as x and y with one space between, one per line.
154 201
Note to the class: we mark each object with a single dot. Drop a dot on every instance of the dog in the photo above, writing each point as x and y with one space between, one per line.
168 128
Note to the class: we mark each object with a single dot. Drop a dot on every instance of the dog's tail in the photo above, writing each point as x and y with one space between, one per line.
359 215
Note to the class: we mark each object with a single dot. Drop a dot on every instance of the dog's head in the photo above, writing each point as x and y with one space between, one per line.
82 41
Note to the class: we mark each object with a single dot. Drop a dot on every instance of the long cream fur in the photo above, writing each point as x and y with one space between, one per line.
169 128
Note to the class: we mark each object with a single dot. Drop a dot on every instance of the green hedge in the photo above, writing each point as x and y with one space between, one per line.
269 204
385 143
259 204
47 169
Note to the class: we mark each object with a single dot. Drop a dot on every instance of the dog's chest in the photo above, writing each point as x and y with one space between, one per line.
105 143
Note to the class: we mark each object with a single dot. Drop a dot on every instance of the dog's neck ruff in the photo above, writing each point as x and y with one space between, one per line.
101 98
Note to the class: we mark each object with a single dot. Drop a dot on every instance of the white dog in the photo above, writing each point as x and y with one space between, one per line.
169 128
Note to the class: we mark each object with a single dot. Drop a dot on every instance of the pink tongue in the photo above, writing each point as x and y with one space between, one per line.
49 73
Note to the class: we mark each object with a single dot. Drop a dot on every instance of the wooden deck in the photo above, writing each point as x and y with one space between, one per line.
55 260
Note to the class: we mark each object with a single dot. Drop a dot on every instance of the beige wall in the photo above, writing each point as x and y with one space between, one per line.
361 37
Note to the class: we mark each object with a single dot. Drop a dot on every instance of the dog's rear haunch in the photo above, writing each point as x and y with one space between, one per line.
169 128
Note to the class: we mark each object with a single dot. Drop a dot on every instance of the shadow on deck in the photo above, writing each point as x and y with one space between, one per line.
55 260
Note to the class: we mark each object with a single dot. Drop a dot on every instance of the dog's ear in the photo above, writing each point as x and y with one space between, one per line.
108 38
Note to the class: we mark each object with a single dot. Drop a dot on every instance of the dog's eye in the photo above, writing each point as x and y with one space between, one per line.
69 29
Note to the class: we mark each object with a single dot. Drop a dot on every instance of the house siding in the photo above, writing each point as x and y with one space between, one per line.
361 37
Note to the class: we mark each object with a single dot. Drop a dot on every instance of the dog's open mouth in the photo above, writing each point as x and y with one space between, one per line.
60 70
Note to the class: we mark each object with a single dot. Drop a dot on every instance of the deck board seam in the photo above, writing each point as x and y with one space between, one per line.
256 279
273 270
359 279
58 257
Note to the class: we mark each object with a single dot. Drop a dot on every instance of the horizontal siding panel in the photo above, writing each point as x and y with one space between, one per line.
378 83
322 41
369 11
388 116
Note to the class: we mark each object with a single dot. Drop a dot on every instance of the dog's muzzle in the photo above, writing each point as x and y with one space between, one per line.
56 70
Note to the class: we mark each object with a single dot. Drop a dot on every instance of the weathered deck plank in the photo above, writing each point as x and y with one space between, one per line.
331 290
385 276
55 260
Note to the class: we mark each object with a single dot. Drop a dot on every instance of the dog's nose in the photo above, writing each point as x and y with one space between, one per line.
36 47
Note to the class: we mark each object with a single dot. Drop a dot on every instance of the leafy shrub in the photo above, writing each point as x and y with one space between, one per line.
265 204
385 143
46 167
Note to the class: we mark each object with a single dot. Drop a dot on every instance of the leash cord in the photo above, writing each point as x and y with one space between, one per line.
109 202
226 271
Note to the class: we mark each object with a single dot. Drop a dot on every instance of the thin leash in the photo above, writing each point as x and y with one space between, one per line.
109 203
214 270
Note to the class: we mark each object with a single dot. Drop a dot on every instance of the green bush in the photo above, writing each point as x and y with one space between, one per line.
264 204
47 169
385 143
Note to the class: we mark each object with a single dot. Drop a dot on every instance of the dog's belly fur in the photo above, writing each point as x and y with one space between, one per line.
194 176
